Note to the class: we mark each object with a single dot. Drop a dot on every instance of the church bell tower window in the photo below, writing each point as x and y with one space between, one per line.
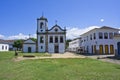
41 39
41 25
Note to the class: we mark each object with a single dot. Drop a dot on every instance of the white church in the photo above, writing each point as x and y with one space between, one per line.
48 40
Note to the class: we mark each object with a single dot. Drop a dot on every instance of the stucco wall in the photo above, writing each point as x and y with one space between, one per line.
25 47
4 47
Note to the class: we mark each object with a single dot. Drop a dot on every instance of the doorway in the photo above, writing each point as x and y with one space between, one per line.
112 49
101 49
56 48
106 49
118 46
29 49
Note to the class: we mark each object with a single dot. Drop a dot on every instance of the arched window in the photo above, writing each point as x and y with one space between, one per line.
41 39
41 24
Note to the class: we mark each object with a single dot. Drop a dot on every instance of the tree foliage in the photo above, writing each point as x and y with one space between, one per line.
67 42
18 44
34 39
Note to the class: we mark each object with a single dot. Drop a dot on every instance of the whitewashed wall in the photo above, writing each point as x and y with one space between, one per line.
74 44
41 44
98 41
6 47
61 45
25 47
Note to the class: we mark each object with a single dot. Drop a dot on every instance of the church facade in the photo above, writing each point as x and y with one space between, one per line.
50 40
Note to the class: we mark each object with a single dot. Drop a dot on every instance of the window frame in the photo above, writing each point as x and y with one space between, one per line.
41 25
41 39
100 35
51 39
61 39
105 35
56 39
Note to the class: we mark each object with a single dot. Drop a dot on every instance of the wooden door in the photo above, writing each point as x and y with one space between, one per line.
106 49
101 49
111 49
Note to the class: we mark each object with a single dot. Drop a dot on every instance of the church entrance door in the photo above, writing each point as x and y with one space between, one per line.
29 49
56 48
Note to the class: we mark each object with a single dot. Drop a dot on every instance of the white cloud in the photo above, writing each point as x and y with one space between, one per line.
71 33
21 36
76 32
2 36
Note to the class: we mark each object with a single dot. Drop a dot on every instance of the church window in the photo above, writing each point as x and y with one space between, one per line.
61 39
56 39
41 39
56 29
41 47
100 35
105 35
41 24
51 39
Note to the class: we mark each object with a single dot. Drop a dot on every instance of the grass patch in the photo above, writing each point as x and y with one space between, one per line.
56 69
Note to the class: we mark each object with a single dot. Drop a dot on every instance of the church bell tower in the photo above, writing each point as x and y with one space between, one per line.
42 27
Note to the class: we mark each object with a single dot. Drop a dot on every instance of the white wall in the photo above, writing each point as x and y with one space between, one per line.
98 41
74 44
25 47
61 45
41 44
4 47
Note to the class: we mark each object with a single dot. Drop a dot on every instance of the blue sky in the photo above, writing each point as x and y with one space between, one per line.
18 17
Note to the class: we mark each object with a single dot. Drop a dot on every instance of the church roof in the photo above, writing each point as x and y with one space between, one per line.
106 27
29 41
42 18
58 27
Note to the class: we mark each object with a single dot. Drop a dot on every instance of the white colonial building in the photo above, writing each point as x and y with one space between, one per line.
74 45
29 46
4 47
100 40
117 44
50 40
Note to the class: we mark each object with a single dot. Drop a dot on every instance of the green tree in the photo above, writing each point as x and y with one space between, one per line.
67 43
34 39
18 44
